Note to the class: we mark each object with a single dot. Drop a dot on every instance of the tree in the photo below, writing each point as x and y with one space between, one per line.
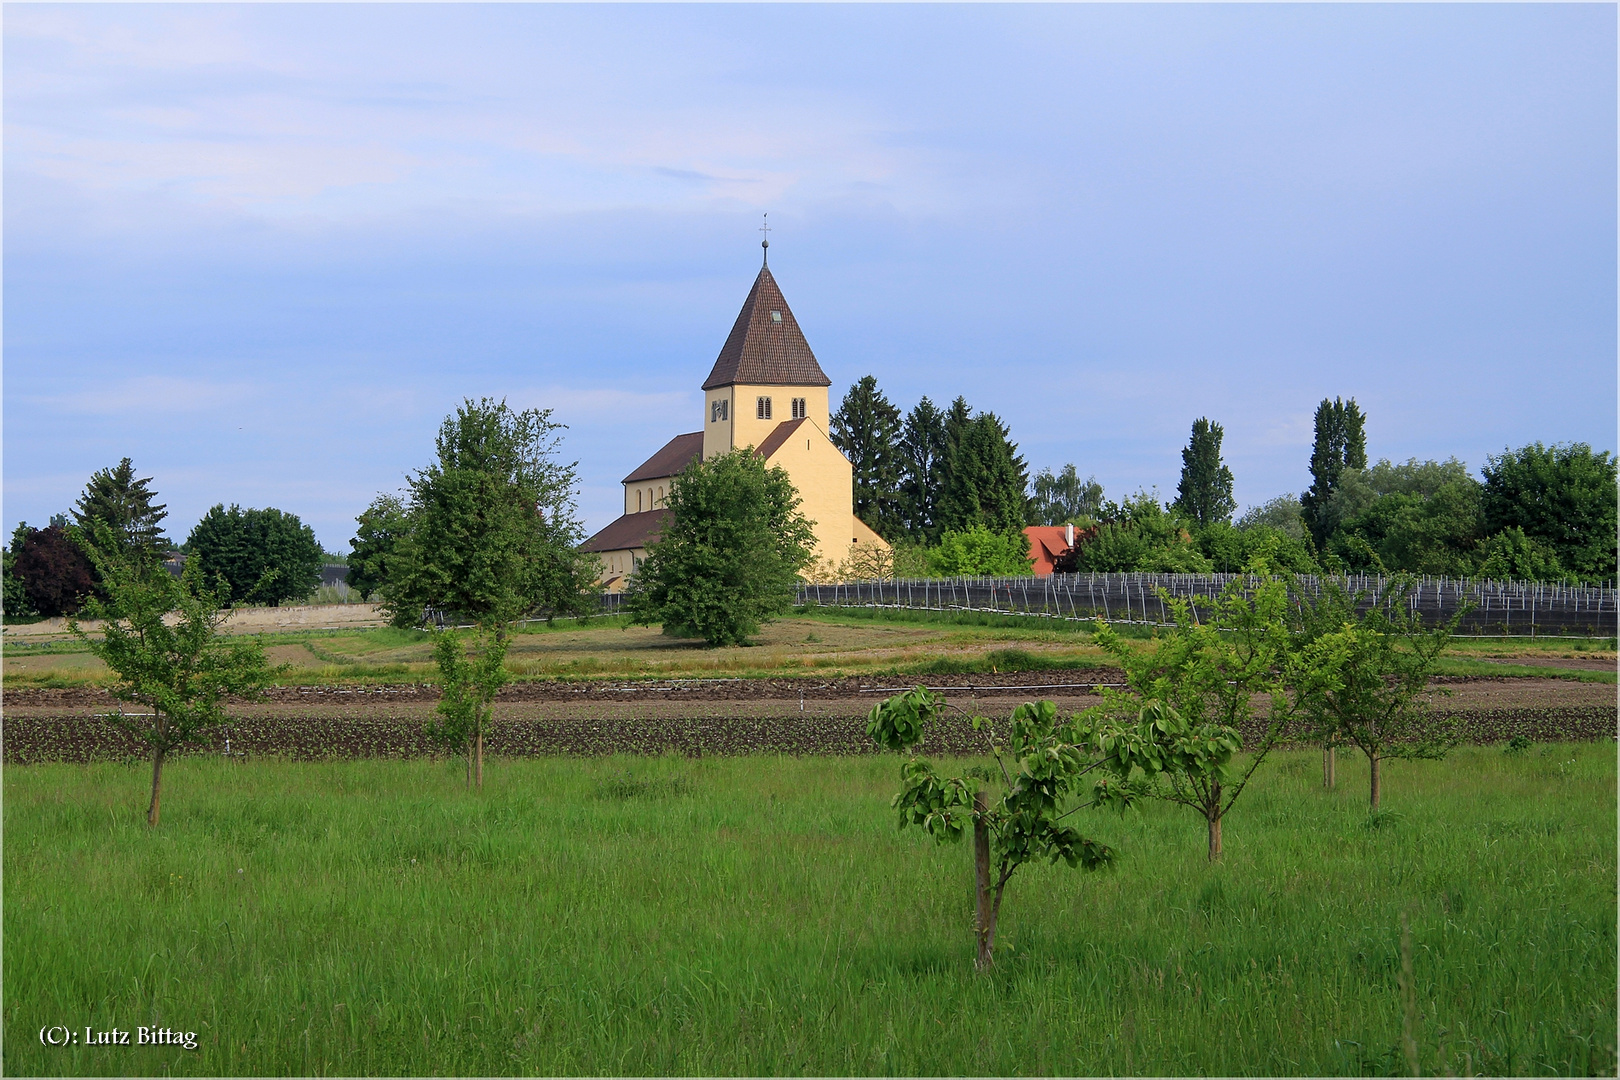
265 556
1283 513
380 527
1142 535
1421 517
1048 758
116 516
1341 443
1510 555
730 555
978 552
1064 498
1197 684
1562 495
17 605
55 572
1205 491
160 636
490 535
1361 667
491 531
866 428
922 471
985 479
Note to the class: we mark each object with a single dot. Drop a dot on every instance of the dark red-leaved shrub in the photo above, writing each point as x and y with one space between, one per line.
55 574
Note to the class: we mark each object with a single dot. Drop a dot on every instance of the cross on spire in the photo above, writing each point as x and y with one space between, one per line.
766 243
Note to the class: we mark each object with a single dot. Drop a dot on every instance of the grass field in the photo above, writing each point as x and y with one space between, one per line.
761 915
815 642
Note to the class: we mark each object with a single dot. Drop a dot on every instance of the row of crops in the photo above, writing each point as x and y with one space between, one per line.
34 739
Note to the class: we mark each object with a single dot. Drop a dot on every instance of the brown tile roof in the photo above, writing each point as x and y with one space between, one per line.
779 435
670 460
764 351
630 531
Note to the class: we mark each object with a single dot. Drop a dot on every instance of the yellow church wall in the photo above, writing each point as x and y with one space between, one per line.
743 427
823 478
643 496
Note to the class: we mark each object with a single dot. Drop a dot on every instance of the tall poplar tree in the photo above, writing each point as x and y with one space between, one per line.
1341 443
866 428
1205 491
922 470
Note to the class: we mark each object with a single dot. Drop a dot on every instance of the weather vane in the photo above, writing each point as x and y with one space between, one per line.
766 243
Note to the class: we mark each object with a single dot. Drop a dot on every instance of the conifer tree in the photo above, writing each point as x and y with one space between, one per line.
117 517
1341 443
1205 492
922 470
985 478
866 428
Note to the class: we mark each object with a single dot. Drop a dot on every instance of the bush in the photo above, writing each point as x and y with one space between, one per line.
55 574
978 552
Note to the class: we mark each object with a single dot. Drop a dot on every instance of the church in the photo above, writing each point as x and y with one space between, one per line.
765 391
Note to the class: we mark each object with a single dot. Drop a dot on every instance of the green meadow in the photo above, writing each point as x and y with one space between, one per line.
763 915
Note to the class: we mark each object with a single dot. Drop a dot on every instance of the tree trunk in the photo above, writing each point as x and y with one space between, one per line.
1330 775
469 750
157 788
1215 838
985 908
1373 761
480 771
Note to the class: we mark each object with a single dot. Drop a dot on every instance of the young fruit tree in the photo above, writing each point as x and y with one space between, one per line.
1361 674
1198 681
1016 811
160 636
469 679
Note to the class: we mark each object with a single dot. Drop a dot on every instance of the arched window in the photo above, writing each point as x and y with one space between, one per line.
638 500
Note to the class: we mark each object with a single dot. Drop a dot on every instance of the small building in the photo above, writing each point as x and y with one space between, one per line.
1052 547
765 391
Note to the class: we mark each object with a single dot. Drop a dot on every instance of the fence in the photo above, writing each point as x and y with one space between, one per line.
1495 607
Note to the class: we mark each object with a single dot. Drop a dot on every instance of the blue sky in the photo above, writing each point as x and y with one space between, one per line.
264 250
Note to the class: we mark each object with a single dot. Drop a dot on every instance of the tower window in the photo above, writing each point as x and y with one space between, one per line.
798 408
762 408
717 410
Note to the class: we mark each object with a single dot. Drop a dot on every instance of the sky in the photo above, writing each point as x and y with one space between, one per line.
264 250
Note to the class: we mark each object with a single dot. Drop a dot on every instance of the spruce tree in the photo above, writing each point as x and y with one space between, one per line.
922 470
866 428
1205 491
1341 443
116 517
985 478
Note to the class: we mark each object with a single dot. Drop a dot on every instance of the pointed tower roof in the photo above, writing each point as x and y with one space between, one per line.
766 346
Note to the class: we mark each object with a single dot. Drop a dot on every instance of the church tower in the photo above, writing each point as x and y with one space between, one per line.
765 391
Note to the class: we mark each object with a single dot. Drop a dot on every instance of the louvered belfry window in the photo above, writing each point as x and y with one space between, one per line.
798 408
762 408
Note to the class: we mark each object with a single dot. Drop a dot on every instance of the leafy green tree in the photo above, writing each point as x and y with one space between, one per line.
490 535
160 637
1421 517
380 527
1198 683
17 605
265 556
922 471
1016 811
1283 513
55 573
1341 443
117 516
866 428
1205 491
1229 548
985 478
490 532
1144 536
730 555
978 552
1064 498
1510 555
1360 674
1562 495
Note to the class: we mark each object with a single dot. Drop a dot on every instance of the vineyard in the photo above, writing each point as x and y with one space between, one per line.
1489 607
